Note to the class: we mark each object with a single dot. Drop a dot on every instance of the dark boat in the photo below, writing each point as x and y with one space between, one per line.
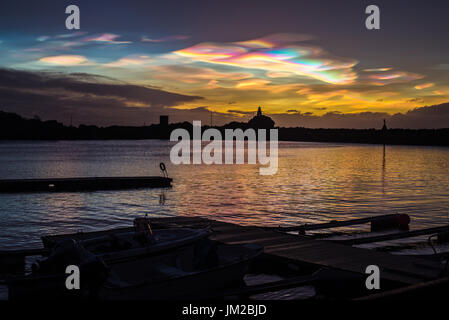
95 253
193 271
206 268
123 245
143 264
48 278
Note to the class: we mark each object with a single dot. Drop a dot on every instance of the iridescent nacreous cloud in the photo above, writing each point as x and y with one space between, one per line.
424 86
107 38
65 60
276 54
384 78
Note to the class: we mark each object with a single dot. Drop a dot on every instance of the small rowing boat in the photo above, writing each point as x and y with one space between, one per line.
206 269
143 241
164 264
94 254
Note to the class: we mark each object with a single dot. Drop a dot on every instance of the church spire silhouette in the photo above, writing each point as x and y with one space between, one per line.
260 121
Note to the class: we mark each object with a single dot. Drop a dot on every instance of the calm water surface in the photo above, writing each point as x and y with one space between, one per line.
315 182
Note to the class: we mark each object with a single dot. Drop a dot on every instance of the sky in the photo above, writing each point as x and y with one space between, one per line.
306 63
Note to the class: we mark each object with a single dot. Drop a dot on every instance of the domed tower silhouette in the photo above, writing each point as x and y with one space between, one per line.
260 121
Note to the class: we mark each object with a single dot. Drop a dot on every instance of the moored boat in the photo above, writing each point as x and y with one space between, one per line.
94 254
208 268
164 264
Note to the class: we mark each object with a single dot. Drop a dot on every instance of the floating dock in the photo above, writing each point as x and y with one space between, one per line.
339 268
399 269
404 270
82 184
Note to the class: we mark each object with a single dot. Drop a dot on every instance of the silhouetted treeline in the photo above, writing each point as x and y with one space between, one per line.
14 127
391 136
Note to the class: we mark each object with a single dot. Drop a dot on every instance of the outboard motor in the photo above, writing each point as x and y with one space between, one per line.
143 232
93 270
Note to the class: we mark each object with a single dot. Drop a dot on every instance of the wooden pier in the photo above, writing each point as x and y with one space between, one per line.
399 269
403 270
82 184
331 265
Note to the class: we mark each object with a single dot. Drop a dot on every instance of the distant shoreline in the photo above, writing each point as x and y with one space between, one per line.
15 127
2 140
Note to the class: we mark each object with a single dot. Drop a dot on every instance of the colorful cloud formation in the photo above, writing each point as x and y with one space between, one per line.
276 54
384 78
136 61
107 38
64 60
280 72
165 39
424 86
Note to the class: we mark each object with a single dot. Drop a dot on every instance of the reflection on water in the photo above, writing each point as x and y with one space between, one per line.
315 182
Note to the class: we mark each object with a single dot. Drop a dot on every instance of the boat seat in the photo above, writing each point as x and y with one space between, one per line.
171 271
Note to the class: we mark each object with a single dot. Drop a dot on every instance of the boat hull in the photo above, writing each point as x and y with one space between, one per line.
52 285
201 270
196 286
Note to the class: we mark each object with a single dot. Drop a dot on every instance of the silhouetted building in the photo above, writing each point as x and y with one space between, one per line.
163 127
260 121
163 121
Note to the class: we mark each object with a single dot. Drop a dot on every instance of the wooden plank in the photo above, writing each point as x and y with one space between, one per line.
357 261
